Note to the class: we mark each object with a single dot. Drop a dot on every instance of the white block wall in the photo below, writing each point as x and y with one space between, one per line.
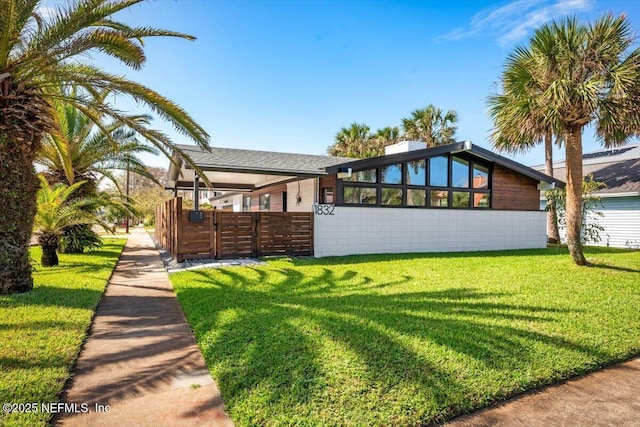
354 230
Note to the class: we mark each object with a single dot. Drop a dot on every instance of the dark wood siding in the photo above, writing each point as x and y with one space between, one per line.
327 181
513 191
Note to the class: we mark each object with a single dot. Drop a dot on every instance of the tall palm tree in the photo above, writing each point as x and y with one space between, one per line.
587 73
431 125
352 141
528 127
39 52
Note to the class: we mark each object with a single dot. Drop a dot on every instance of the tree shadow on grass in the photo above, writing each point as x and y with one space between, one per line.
357 259
615 268
281 342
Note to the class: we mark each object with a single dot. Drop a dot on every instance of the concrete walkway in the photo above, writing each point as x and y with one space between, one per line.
610 397
141 359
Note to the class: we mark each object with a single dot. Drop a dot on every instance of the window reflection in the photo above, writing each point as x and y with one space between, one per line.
439 198
460 173
461 199
417 172
391 196
391 174
368 175
416 197
442 181
438 171
265 202
360 195
481 200
480 177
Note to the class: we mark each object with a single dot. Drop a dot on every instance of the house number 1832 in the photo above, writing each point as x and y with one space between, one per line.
324 209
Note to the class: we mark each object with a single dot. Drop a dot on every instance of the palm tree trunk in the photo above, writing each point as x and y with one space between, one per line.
18 189
552 216
573 147
49 256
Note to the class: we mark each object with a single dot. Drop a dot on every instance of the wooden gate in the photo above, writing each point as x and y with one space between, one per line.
256 234
224 235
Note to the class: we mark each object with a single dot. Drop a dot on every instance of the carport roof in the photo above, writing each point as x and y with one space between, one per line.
232 168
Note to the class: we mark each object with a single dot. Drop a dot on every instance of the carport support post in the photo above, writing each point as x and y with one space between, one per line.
196 192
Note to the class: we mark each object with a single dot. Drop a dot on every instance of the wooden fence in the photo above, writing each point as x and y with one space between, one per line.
233 234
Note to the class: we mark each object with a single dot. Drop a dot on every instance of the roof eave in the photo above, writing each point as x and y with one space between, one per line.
260 171
457 147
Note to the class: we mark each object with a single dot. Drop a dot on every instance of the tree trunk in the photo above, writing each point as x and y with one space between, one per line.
49 241
552 216
18 190
49 256
573 147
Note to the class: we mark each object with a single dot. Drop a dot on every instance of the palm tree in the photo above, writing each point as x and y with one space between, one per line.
431 125
37 53
352 141
585 74
79 150
382 138
55 212
527 127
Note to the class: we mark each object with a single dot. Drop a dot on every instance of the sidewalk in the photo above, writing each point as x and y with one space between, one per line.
141 358
610 397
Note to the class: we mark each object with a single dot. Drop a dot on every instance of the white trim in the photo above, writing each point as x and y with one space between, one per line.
627 194
608 195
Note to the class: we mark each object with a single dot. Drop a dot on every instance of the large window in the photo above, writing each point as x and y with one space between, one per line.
439 171
360 195
368 175
460 199
449 181
391 196
481 200
265 202
391 174
416 197
480 176
459 173
246 204
439 198
417 172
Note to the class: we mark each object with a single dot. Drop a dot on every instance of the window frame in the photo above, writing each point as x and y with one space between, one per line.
405 187
261 202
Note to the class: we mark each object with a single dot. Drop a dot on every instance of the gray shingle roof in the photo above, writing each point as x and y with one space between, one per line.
618 168
233 159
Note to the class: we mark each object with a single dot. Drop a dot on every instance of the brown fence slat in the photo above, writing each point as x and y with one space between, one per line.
233 234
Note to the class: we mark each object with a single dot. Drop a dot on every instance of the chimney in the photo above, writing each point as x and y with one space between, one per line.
404 147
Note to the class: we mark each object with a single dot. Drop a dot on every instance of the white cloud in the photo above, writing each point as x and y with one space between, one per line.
515 20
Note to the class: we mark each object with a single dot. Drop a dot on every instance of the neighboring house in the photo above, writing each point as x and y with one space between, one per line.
619 169
457 197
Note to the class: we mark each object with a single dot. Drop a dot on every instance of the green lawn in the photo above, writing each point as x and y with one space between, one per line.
41 331
407 339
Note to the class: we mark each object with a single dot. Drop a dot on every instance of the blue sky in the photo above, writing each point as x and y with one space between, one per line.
287 75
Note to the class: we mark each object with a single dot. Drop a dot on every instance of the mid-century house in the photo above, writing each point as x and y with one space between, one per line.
619 169
458 197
